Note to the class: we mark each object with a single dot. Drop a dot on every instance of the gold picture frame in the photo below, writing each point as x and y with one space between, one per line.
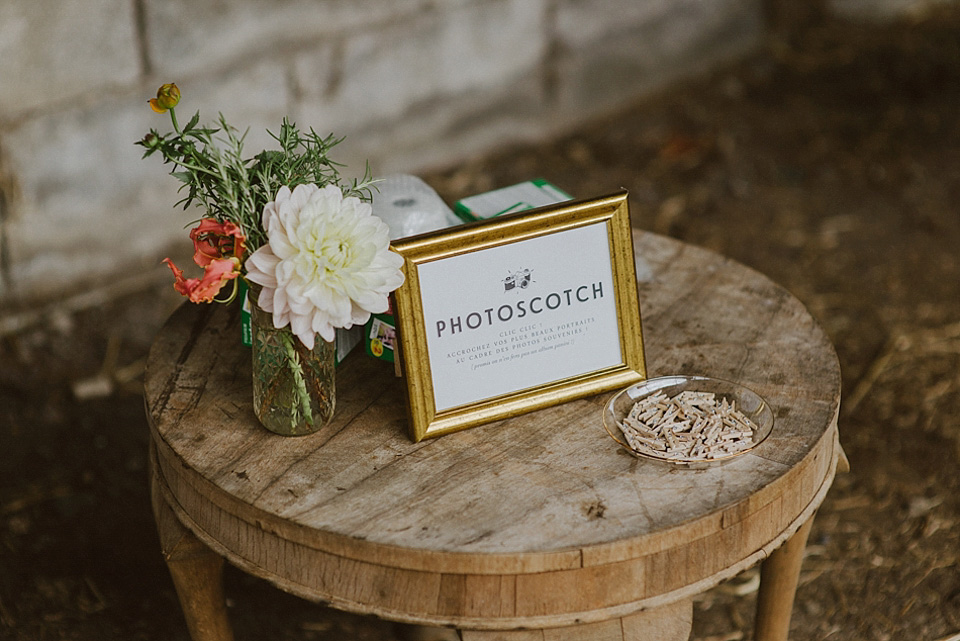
516 313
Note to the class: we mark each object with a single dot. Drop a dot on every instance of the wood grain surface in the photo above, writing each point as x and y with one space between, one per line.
536 521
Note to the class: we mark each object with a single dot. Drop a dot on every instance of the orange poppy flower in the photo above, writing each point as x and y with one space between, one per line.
218 248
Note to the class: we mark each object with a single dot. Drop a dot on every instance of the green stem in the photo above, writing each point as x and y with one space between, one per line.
296 369
233 293
173 118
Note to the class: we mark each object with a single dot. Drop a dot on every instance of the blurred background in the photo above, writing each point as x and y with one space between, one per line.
817 142
411 84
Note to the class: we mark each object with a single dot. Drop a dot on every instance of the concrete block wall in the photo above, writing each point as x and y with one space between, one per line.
411 84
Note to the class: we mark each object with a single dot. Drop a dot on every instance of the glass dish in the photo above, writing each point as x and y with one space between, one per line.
748 402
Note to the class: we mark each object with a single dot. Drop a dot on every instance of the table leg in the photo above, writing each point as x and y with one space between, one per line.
667 623
778 586
197 574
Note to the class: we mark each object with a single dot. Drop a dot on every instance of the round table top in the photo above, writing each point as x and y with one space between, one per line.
546 496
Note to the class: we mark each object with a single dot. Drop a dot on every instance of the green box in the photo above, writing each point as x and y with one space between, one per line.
246 334
380 337
507 200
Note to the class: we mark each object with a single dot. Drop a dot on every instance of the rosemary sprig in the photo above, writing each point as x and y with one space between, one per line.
231 188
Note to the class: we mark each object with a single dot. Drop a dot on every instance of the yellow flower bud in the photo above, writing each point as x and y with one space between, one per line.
167 98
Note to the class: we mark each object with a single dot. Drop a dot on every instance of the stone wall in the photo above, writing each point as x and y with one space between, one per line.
411 84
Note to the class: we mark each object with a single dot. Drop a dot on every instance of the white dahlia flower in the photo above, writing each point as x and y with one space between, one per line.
326 263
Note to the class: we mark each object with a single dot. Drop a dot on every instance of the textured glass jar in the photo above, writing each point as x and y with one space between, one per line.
294 390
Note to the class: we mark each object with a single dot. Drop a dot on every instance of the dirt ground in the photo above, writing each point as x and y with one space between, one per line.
829 162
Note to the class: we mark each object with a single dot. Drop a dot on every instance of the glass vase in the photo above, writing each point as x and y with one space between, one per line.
294 390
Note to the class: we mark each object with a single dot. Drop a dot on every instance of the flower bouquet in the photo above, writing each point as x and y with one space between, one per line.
308 246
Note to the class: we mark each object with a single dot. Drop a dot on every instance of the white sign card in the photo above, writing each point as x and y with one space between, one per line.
518 316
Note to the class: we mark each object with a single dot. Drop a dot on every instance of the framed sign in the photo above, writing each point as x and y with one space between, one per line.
518 313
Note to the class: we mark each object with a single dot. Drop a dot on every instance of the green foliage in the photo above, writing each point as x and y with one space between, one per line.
217 177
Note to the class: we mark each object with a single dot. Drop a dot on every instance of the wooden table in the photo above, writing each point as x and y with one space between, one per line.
538 527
